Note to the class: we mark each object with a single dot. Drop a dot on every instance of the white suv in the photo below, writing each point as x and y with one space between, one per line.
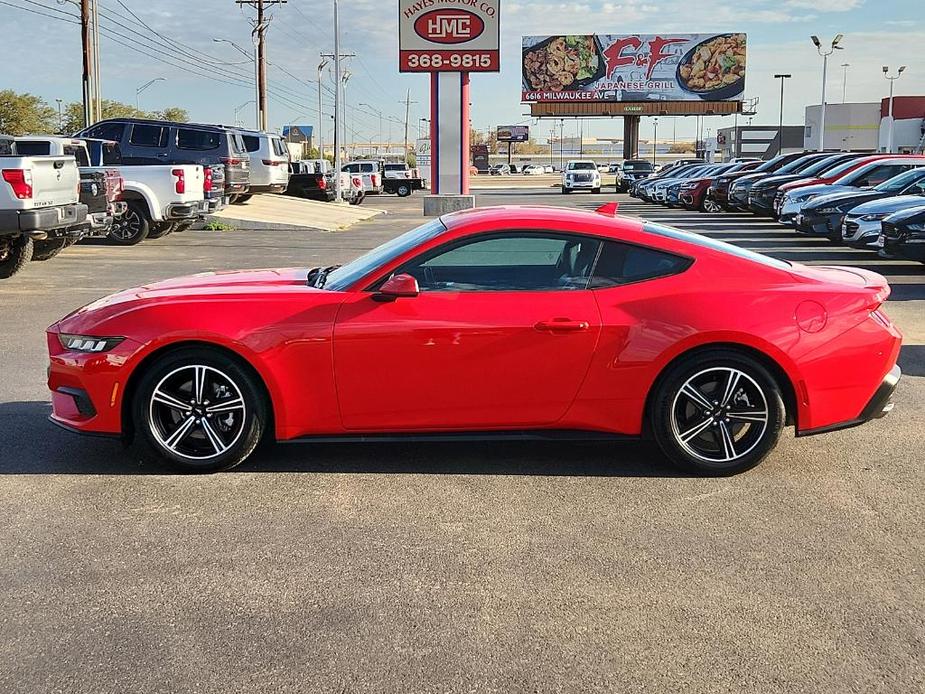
581 174
269 162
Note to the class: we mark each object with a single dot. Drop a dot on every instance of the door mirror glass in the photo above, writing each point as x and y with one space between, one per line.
399 286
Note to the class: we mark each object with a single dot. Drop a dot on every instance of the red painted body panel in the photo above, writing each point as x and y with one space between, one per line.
337 362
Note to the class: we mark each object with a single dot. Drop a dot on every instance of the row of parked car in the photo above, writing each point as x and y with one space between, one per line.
859 199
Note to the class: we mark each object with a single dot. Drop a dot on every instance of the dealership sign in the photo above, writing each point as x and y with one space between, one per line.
448 35
513 133
633 67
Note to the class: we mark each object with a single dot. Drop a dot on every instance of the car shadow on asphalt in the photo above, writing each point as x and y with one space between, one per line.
912 360
37 447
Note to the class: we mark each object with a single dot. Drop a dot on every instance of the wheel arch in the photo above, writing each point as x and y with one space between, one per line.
141 193
131 385
780 375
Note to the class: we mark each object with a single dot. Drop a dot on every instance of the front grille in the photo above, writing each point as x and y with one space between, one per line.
851 228
582 177
889 230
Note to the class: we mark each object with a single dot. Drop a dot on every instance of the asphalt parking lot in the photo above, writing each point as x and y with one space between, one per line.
452 568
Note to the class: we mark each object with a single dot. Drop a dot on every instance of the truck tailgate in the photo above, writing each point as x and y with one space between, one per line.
55 181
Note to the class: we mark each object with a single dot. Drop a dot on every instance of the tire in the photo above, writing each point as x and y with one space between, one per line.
237 428
132 227
403 190
710 205
158 229
683 402
595 191
48 248
241 199
15 252
566 191
358 199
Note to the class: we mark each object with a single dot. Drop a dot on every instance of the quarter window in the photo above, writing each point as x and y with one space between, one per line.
148 136
623 263
107 131
251 143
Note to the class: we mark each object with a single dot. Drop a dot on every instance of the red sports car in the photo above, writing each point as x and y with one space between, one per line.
506 321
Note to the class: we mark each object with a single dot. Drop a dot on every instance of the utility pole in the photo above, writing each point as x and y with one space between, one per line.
97 93
407 102
780 120
85 35
321 67
260 25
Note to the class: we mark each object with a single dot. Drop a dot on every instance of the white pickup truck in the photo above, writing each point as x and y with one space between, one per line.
155 197
39 198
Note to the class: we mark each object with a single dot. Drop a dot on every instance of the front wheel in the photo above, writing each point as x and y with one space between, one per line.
132 227
717 413
198 410
403 190
710 205
15 252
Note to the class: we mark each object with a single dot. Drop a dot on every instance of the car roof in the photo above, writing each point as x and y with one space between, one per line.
149 121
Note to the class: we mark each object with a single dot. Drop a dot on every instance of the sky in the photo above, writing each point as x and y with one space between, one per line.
211 79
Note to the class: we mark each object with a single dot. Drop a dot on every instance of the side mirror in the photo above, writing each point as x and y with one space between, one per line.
399 286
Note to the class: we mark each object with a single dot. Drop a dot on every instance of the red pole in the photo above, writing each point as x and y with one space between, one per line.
464 180
434 126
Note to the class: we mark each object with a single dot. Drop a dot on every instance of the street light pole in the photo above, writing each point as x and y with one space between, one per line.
144 86
337 106
238 110
886 70
561 136
825 61
321 67
844 82
780 120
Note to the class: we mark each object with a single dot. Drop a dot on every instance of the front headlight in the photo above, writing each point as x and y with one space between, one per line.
875 217
828 210
88 343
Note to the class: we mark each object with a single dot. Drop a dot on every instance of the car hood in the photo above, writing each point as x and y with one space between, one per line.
856 196
772 180
821 189
908 215
204 286
889 205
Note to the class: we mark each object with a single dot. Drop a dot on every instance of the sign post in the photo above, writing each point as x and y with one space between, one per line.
449 39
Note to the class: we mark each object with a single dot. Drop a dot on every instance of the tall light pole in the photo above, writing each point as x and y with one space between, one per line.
561 137
337 106
654 138
256 73
825 62
893 78
147 84
60 118
780 120
321 67
844 81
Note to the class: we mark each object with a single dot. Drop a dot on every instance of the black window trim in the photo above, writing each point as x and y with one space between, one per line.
148 125
577 235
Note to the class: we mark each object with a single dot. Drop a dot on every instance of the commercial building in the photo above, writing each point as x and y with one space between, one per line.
761 141
866 126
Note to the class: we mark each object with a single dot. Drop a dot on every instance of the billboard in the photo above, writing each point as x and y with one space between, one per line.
633 67
513 133
448 35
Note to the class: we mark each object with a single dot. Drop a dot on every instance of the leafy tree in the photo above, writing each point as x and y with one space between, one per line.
25 114
74 118
174 113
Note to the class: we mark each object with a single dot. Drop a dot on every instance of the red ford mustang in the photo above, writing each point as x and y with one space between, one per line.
492 322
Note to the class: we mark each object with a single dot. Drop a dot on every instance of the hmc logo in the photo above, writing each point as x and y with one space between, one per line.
449 26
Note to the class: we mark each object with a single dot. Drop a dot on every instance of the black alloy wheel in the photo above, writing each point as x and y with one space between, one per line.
132 227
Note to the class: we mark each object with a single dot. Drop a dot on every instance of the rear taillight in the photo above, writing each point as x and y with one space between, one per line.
20 181
323 184
270 162
180 185
232 161
207 180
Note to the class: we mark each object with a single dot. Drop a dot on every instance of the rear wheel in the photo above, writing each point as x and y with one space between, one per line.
403 190
48 248
198 410
717 413
132 227
15 252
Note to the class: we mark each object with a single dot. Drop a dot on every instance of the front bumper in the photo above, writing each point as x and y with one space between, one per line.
859 233
816 224
880 405
761 202
738 198
908 248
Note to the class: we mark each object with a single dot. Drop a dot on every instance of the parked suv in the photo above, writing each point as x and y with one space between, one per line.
165 142
269 170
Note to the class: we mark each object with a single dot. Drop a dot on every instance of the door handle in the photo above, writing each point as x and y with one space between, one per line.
562 325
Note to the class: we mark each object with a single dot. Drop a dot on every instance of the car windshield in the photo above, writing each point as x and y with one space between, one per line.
582 166
345 275
823 164
715 245
771 164
897 183
798 165
637 166
840 170
395 167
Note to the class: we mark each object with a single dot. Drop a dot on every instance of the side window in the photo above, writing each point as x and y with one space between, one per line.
112 154
107 131
513 262
279 147
199 140
352 168
148 136
32 149
917 188
79 153
880 174
623 263
251 143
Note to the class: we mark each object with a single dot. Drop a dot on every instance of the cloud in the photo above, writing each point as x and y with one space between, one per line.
825 5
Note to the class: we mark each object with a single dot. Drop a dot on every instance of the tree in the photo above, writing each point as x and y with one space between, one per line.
25 114
74 114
